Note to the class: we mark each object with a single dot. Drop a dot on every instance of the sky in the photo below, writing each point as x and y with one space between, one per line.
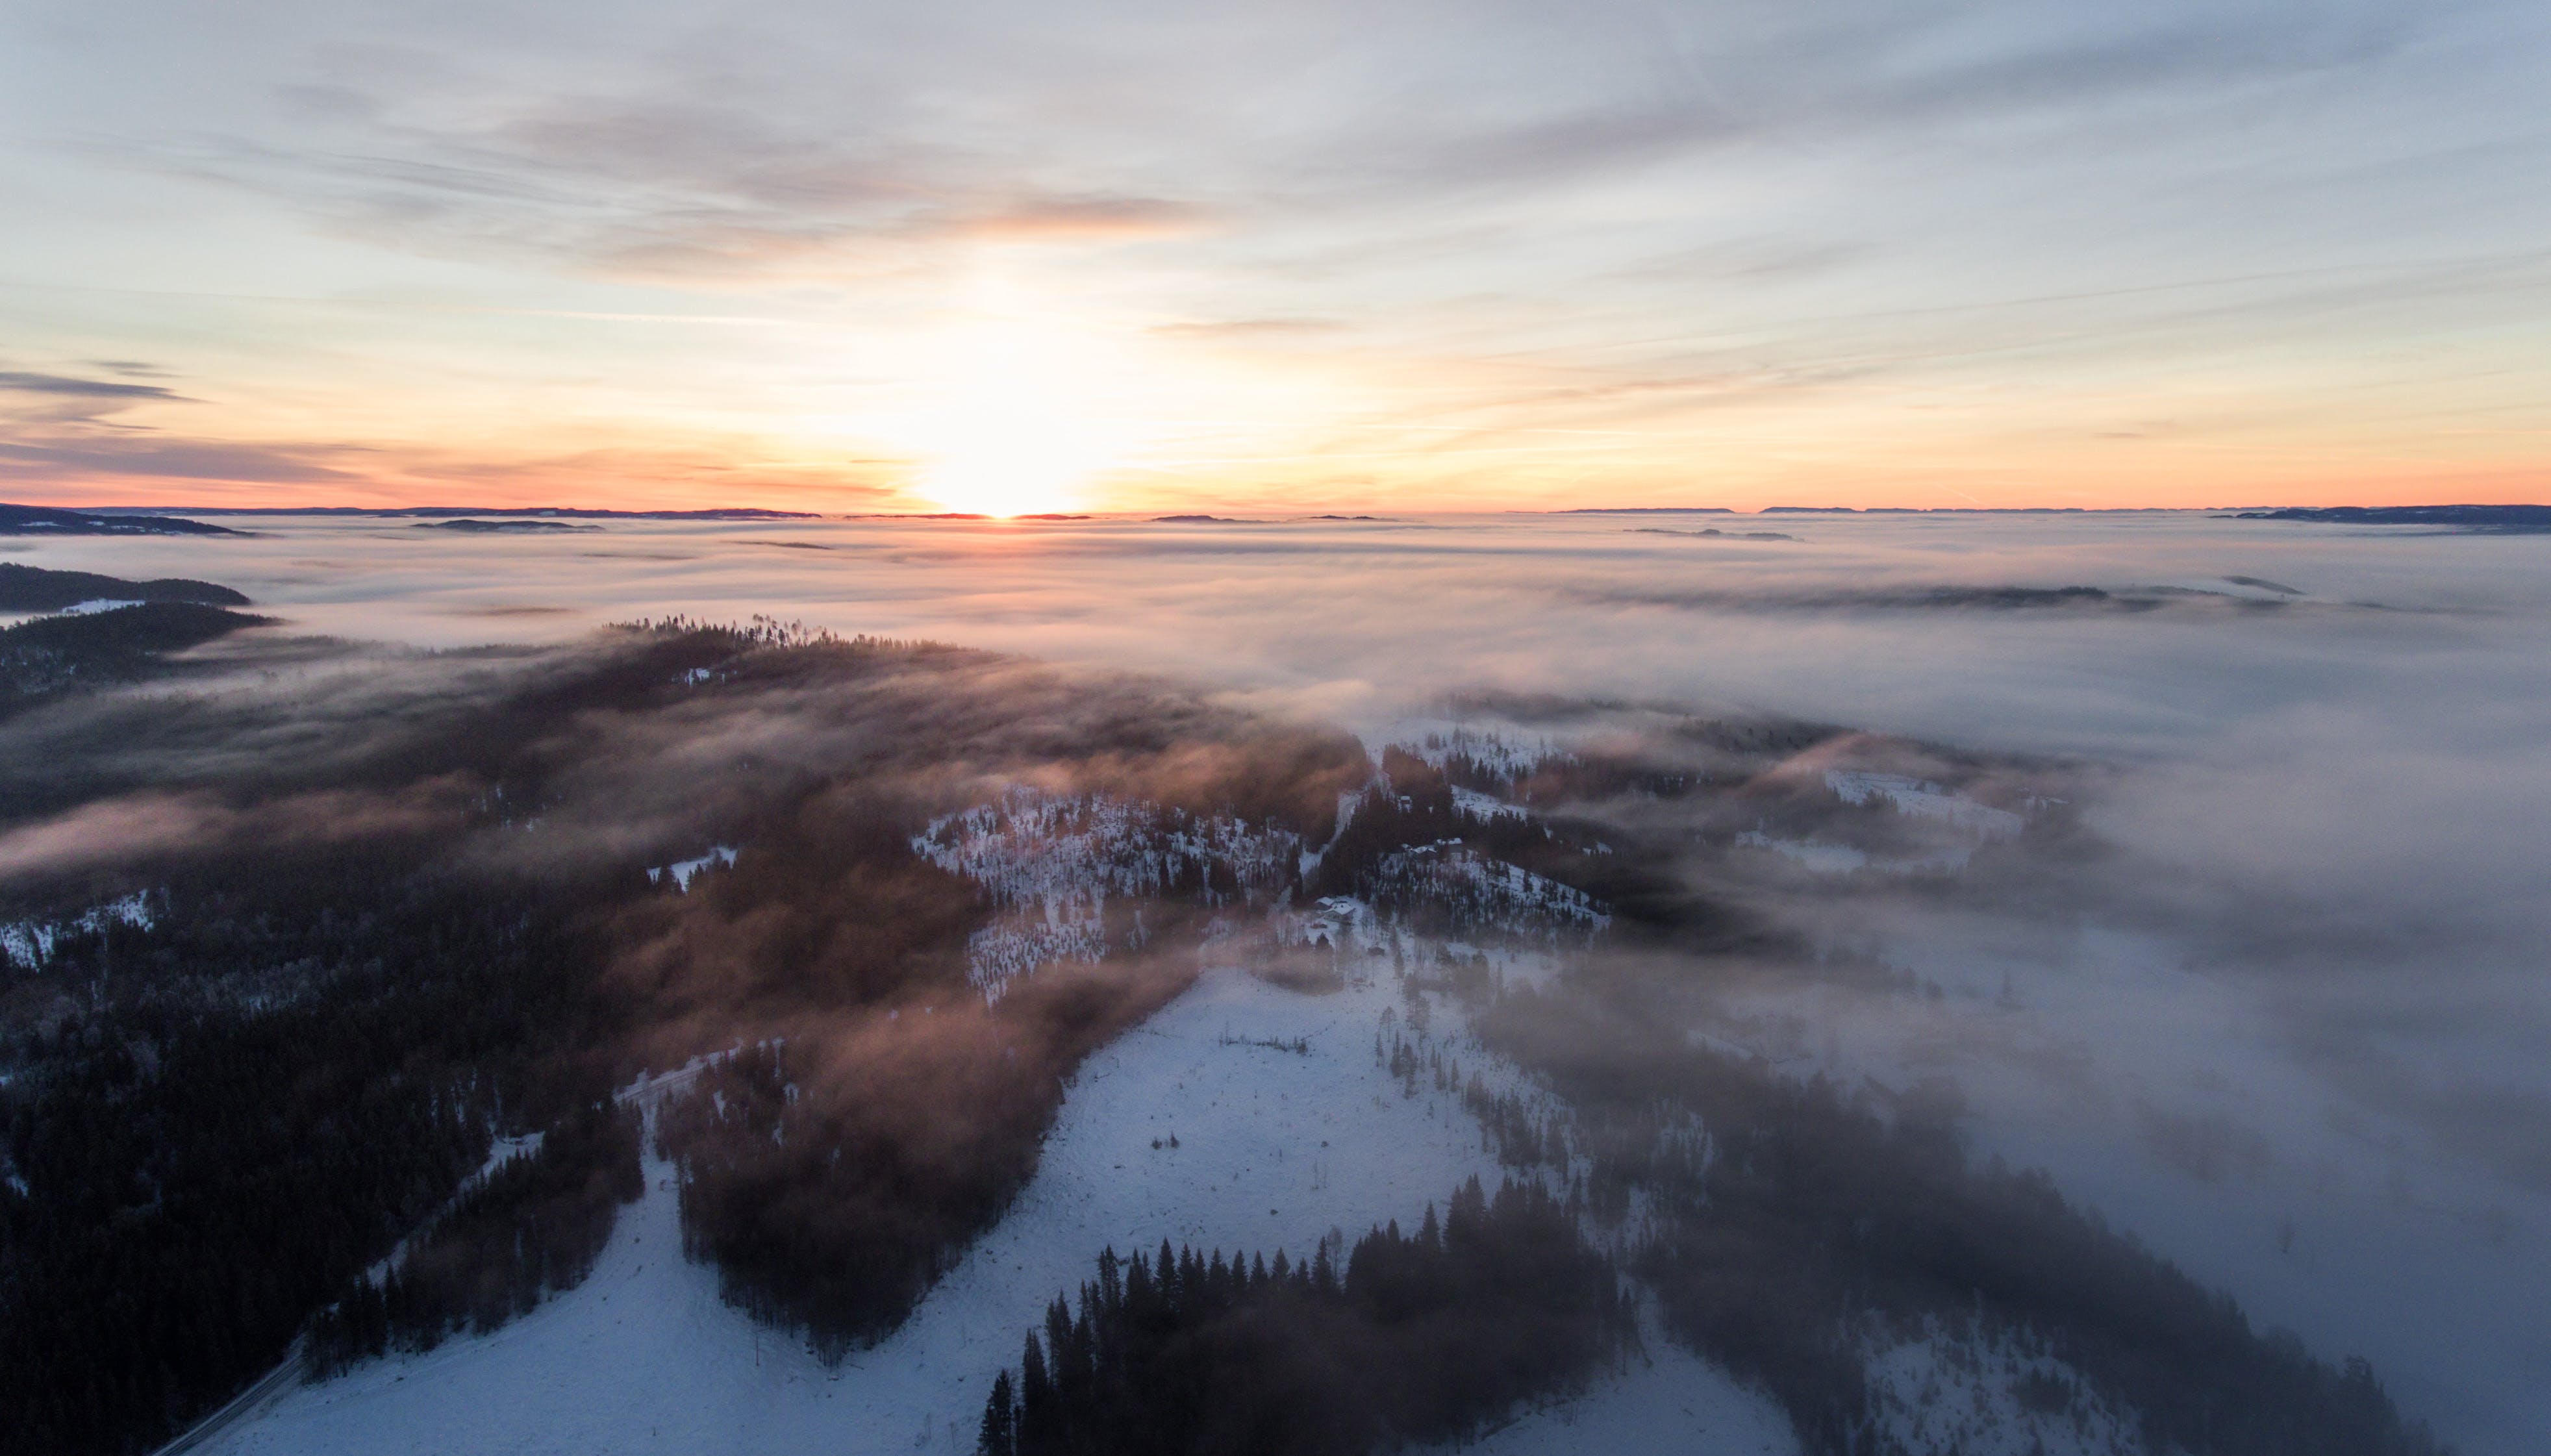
1275 257
2301 981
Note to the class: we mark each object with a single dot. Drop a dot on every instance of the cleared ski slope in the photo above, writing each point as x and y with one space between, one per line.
644 1357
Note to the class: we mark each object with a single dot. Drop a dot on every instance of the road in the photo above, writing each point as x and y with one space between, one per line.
283 1377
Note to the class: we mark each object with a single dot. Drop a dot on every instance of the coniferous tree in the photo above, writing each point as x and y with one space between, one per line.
1000 1417
1426 1337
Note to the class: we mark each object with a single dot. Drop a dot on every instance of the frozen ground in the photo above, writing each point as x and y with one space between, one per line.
1272 1148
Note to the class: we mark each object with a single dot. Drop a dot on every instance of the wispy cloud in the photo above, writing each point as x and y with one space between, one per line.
1877 249
28 383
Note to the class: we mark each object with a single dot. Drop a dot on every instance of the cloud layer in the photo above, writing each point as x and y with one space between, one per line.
2297 982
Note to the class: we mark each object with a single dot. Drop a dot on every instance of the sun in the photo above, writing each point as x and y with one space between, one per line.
1005 449
1018 426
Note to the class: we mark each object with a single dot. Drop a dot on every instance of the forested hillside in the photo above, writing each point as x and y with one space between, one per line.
355 961
1421 1336
289 956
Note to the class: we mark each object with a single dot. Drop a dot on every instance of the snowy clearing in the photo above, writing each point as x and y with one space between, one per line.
1259 1146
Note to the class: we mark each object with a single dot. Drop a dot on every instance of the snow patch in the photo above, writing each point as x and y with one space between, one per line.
28 944
1052 862
1925 800
1990 1397
1509 757
1488 893
1487 808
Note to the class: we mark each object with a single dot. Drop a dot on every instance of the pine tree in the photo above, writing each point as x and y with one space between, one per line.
1038 1421
1000 1421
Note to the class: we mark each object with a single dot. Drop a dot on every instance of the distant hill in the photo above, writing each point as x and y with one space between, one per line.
36 589
37 520
510 527
1713 531
721 513
2491 520
52 655
1646 510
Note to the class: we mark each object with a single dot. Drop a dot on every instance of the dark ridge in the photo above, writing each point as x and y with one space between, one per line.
2265 584
52 655
37 520
2484 520
1713 531
508 527
1525 707
2001 598
38 589
1350 518
1204 521
152 627
1646 510
1951 598
721 513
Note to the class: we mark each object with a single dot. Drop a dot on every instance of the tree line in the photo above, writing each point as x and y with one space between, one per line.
48 655
252 1101
532 1227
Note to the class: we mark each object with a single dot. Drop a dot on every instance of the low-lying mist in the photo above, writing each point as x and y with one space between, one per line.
2264 982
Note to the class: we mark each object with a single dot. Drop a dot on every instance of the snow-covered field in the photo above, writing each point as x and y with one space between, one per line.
1188 1128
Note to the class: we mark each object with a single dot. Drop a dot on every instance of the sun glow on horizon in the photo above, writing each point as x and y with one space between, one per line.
1014 415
